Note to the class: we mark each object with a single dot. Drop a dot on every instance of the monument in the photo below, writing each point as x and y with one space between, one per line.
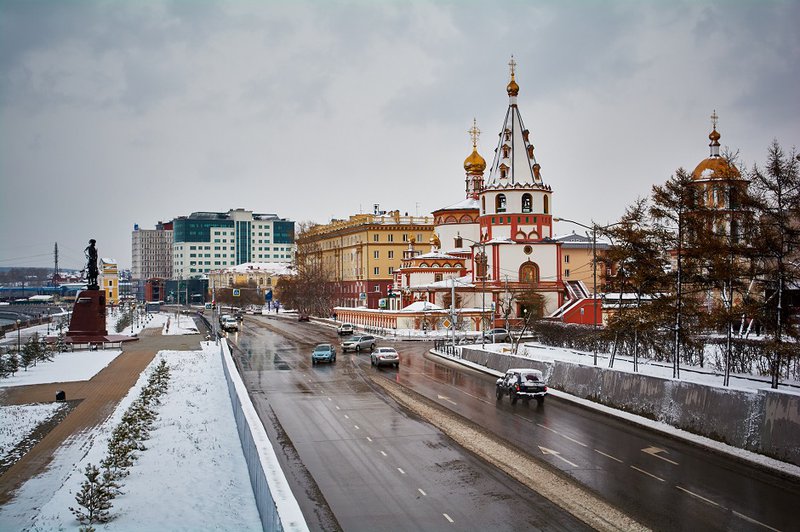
88 322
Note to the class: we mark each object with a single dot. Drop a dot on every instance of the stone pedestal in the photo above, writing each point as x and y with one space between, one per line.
88 315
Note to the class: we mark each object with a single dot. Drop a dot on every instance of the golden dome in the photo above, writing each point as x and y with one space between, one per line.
715 168
474 164
714 136
512 89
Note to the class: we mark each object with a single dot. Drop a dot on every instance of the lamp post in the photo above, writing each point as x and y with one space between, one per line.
593 229
19 323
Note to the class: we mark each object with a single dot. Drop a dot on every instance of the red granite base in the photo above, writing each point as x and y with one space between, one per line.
98 339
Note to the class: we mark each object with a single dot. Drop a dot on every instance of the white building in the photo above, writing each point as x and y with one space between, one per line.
151 252
207 241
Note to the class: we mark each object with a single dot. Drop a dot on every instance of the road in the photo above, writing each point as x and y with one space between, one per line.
360 462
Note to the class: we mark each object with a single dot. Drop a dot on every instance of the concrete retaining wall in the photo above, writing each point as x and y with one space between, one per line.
763 421
276 504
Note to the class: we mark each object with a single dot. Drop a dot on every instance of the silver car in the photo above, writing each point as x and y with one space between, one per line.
384 356
357 343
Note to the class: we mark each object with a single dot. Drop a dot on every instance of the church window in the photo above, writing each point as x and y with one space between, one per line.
527 203
529 273
500 203
505 151
508 134
502 173
437 277
483 204
546 205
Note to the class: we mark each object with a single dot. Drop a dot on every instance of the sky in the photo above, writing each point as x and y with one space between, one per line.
119 113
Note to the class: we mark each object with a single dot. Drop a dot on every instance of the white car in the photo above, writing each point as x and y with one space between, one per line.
230 324
385 356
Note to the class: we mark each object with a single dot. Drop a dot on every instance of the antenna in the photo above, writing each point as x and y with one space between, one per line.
55 269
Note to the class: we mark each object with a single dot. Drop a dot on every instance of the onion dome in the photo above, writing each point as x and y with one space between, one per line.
474 164
715 166
512 88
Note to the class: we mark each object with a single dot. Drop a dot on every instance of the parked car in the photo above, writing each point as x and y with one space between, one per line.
525 384
345 328
357 343
497 335
303 317
323 353
384 356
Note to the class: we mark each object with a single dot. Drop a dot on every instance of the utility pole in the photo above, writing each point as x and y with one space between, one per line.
55 269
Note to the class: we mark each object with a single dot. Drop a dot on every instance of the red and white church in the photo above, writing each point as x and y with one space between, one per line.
490 247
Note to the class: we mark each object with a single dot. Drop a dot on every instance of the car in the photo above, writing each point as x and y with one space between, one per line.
303 317
497 335
525 384
385 356
323 353
345 328
357 343
230 324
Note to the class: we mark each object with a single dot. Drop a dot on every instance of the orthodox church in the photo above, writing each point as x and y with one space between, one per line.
497 242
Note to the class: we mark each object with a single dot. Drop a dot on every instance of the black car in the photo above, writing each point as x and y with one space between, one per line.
525 384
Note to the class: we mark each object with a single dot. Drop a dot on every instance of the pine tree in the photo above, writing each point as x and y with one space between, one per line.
45 351
12 363
30 353
61 343
94 498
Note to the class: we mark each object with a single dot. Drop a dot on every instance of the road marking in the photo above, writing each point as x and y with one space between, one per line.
737 514
329 399
448 518
337 408
445 398
653 451
401 471
709 501
609 456
346 416
574 440
384 454
422 492
548 428
369 439
356 426
545 451
646 473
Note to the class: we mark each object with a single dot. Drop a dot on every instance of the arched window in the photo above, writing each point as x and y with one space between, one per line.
527 203
547 204
529 273
500 203
505 151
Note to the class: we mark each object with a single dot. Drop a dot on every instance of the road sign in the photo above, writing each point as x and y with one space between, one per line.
362 296
268 295
236 292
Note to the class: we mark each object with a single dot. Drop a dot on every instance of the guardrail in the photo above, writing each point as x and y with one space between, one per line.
276 504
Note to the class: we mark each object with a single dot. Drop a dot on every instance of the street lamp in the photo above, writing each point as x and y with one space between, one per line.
19 322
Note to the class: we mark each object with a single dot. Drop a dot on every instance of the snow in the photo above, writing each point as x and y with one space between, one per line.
421 306
191 477
17 422
465 204
276 268
178 324
66 367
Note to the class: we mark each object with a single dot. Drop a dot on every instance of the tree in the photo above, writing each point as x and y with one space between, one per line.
30 352
61 343
531 302
94 498
311 289
776 200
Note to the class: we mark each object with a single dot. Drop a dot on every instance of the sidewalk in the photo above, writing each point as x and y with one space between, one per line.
97 396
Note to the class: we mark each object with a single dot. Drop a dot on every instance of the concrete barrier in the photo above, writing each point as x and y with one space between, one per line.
762 421
276 504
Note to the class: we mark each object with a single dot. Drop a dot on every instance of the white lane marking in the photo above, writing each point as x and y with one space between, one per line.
448 518
329 399
709 501
337 408
545 450
646 473
384 454
346 416
401 471
422 492
445 398
356 426
609 456
548 428
369 439
653 451
574 440
737 514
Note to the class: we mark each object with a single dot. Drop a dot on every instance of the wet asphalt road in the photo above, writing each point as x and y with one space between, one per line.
377 468
358 462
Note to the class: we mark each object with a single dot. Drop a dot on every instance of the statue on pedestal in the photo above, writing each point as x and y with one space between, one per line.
91 266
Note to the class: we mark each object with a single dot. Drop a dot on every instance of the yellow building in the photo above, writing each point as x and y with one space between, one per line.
263 276
577 260
108 279
361 254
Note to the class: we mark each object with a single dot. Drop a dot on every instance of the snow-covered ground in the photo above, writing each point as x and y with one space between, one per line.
70 366
179 324
17 422
191 477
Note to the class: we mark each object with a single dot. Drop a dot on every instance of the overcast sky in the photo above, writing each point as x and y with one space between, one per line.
117 113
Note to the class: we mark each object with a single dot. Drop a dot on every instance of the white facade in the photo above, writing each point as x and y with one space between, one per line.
151 252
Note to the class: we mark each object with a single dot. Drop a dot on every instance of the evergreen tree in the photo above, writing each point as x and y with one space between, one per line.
45 351
12 363
61 343
30 353
94 498
776 201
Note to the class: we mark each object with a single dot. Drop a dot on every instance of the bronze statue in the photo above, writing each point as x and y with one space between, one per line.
91 266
